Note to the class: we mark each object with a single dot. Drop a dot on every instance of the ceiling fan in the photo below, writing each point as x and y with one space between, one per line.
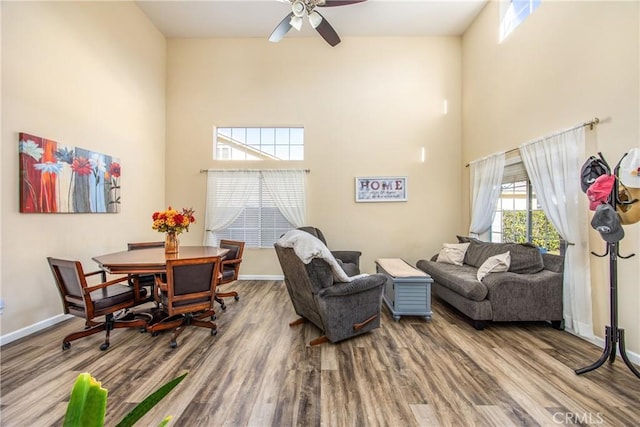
300 8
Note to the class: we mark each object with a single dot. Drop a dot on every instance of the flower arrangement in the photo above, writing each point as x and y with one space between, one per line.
173 221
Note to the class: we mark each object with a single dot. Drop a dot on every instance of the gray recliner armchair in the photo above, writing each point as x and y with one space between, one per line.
349 260
340 310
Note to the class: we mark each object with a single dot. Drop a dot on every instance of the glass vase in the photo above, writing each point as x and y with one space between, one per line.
171 243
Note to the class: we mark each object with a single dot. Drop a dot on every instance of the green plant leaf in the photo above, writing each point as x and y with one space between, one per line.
145 406
165 422
88 403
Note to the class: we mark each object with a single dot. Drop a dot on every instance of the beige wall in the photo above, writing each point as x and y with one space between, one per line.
90 75
567 63
367 106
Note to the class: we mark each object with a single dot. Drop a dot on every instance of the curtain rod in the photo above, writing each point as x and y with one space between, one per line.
590 123
250 170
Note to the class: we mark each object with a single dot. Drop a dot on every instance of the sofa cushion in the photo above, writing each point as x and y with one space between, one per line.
553 262
460 279
525 257
466 239
494 264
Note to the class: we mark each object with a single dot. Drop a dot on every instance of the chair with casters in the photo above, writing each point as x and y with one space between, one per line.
348 260
230 269
186 297
92 302
144 280
144 245
341 307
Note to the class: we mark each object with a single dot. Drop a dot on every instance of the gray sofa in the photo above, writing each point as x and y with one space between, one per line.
531 290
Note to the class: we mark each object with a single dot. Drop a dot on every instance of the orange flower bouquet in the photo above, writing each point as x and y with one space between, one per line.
173 221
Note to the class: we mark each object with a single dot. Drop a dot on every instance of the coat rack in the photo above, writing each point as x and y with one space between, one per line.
614 336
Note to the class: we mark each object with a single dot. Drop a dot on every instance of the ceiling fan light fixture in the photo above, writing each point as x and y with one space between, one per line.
315 19
298 8
296 22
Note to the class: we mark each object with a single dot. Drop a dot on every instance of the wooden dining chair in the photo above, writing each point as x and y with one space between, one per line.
97 304
144 280
186 297
144 245
230 269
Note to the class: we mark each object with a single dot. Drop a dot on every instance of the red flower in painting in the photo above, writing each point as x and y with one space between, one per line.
81 166
114 169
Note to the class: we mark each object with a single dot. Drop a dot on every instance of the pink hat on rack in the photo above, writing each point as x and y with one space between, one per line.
600 190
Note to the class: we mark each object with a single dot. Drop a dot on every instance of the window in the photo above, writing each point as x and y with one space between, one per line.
513 13
519 218
260 224
257 143
254 206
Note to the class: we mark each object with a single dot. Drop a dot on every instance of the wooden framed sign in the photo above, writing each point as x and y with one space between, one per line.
381 189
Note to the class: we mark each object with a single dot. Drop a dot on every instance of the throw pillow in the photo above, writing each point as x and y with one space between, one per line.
494 264
525 257
452 253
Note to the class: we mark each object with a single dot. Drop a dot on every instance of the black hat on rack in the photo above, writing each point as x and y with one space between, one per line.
606 221
591 170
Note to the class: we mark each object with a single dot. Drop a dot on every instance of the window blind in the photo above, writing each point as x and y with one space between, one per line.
514 172
260 224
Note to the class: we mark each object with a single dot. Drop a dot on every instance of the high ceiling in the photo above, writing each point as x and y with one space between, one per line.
258 18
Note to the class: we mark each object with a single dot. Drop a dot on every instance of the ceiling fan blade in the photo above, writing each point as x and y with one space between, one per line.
327 32
330 3
282 29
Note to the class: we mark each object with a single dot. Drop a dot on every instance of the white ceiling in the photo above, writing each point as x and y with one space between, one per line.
258 18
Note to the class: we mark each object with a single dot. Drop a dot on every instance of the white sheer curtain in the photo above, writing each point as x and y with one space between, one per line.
486 183
553 165
287 188
227 195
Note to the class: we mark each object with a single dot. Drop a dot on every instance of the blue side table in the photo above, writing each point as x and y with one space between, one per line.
407 291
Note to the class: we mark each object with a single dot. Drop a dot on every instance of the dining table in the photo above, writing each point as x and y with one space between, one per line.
151 260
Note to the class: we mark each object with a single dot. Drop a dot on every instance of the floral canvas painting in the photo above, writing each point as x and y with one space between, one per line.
55 178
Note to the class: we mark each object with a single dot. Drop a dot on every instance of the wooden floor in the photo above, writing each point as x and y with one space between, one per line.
260 372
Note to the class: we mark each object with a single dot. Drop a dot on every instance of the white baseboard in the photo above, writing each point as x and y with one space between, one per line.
260 277
32 329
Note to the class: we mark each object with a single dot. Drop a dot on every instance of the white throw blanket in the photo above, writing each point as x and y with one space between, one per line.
399 268
307 247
